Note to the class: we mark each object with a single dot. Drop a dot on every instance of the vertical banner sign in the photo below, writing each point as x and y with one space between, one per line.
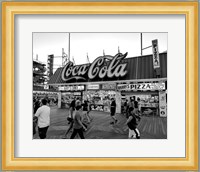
156 60
162 104
118 102
50 64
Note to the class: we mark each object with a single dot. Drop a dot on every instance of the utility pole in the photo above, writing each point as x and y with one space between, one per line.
141 42
62 56
69 48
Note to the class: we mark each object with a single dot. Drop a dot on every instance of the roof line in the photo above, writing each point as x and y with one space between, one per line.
59 75
109 82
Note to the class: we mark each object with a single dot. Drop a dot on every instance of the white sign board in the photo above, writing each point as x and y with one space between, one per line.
71 88
162 104
93 87
46 87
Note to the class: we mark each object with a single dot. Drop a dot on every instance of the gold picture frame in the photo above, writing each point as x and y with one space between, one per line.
10 9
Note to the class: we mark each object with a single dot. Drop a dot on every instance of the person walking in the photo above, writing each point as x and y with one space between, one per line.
130 106
132 124
70 118
36 105
125 107
43 118
78 126
86 110
71 110
112 111
71 123
137 106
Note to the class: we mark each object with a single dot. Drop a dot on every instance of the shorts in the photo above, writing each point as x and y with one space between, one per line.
43 132
112 113
137 111
84 111
131 134
134 133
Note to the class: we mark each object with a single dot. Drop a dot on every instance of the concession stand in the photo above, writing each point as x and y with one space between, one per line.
119 77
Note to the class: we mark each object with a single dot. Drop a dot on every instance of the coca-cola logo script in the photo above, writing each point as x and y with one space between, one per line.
115 68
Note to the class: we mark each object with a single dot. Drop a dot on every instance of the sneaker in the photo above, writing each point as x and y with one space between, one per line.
111 122
116 121
134 137
137 137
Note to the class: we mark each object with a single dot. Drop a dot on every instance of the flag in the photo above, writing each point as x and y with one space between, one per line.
118 50
69 48
73 60
65 57
88 58
37 57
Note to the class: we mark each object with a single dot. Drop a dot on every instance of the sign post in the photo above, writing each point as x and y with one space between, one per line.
118 102
162 104
156 60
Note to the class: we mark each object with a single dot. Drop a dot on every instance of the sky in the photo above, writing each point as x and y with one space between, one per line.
93 44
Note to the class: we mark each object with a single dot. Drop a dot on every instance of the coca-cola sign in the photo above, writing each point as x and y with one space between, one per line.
114 68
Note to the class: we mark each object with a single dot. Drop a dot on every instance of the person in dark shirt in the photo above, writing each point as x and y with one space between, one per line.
112 111
132 123
36 105
86 110
136 104
130 106
125 107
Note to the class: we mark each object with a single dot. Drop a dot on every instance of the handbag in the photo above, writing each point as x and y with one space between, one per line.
69 119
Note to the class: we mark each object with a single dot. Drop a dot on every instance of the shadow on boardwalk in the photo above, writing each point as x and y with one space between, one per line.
100 127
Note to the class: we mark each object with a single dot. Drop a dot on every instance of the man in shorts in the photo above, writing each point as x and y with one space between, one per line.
43 115
86 110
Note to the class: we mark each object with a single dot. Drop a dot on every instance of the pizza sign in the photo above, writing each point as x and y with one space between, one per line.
142 86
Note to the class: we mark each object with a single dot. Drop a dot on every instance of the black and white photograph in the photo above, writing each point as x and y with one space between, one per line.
99 85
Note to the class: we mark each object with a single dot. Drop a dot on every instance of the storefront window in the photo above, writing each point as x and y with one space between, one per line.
67 97
99 100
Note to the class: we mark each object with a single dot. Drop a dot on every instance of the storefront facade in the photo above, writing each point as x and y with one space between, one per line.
115 76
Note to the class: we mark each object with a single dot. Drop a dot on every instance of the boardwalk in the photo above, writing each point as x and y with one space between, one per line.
100 128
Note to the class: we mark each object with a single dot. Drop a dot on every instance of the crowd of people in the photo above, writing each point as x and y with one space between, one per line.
79 117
